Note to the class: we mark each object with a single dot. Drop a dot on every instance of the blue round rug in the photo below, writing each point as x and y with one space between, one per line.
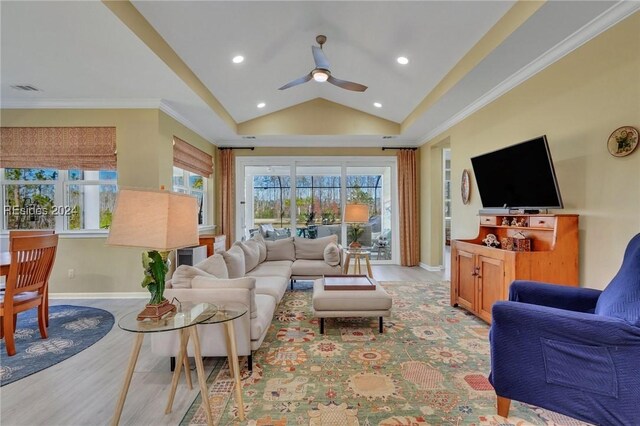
71 330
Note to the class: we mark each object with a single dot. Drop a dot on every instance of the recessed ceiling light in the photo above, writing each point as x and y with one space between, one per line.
238 59
377 104
261 105
402 60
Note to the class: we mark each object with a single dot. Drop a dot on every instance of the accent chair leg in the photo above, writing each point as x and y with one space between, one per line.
321 325
250 363
173 363
291 284
503 406
381 325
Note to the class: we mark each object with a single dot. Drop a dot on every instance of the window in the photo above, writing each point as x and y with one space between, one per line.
64 200
190 183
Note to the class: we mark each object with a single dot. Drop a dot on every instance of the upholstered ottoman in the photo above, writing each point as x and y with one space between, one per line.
350 303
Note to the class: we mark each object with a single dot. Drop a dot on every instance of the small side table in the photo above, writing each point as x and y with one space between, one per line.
227 312
190 315
358 253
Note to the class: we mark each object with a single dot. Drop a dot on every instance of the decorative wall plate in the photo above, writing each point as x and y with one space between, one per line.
623 141
465 186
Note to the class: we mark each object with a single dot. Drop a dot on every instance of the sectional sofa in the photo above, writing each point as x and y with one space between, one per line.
255 273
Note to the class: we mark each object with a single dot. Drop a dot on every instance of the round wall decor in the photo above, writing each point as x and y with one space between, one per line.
623 141
465 186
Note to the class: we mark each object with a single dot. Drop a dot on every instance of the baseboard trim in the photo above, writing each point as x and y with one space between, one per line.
431 268
128 295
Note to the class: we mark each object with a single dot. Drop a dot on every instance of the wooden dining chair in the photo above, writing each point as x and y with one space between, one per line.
29 233
32 259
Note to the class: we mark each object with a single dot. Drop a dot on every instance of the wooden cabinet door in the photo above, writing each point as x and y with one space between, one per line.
466 285
490 285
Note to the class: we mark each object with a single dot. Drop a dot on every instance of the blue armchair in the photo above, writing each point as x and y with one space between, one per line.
571 350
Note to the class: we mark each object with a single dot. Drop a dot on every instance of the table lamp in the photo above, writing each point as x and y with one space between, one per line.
356 214
159 221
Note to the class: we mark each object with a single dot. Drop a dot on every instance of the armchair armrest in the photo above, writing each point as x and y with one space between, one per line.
554 296
522 321
546 356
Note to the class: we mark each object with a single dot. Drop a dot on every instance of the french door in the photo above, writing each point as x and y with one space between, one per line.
307 197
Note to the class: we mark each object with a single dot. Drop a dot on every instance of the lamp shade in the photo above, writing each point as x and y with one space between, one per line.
155 220
356 213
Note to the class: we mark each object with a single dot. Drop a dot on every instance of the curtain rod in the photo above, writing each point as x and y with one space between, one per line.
237 147
412 148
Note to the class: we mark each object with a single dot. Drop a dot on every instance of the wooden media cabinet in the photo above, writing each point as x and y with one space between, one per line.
481 275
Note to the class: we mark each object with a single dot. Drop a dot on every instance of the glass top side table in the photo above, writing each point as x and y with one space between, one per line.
358 253
185 319
225 314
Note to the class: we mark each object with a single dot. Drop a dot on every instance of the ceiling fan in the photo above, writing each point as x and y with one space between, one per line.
322 73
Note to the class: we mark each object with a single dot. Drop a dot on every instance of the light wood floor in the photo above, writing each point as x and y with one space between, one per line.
83 389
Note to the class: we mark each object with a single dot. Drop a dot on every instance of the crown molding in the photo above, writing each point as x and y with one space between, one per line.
301 142
167 109
593 28
79 103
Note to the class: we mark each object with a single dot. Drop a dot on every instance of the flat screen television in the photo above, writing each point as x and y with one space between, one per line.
520 176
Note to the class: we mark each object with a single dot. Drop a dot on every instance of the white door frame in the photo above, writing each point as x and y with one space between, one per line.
343 162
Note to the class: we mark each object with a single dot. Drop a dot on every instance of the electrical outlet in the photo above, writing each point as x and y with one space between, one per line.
72 273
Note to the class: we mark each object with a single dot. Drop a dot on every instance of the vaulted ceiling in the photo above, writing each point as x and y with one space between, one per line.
177 55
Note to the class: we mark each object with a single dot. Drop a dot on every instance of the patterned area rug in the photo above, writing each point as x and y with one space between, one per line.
71 330
429 367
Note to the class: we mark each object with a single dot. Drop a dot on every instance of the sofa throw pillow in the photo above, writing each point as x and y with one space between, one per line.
234 258
332 254
183 275
220 285
251 254
281 249
262 246
312 249
214 265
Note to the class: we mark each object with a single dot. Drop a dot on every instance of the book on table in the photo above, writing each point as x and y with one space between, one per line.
348 282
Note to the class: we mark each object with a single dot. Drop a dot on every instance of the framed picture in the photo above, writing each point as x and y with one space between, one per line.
623 141
465 186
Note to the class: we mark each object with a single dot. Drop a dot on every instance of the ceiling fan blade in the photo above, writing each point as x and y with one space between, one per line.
349 85
319 58
297 81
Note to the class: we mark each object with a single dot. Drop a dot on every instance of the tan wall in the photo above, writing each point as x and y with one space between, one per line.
577 102
318 117
145 160
431 203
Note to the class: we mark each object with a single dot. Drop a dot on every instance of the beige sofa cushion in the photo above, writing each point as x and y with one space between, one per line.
262 246
312 249
266 306
246 283
281 249
234 258
214 265
273 286
251 254
184 274
314 268
267 270
332 254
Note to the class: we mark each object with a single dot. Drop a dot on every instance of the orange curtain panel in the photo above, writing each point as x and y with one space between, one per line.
227 194
408 206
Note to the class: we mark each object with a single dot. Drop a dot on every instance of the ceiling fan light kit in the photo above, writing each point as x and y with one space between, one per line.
322 73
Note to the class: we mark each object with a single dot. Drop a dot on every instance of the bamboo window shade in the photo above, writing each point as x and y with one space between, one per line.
87 148
188 157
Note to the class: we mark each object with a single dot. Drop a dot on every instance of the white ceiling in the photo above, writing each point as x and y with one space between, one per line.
364 40
81 55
